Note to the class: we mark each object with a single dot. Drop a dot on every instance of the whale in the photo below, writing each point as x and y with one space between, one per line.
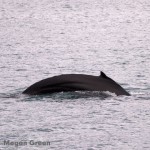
76 82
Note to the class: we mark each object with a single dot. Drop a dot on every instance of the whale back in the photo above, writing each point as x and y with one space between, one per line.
76 82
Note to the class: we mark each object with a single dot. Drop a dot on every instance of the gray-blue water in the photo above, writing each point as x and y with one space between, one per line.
40 39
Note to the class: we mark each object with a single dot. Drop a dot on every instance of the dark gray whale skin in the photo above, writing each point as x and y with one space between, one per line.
75 82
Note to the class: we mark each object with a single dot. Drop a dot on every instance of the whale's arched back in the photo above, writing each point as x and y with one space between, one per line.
75 82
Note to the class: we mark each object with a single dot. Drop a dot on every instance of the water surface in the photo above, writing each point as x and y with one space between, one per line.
40 39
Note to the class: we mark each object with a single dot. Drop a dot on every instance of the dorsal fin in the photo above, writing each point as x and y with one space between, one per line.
103 75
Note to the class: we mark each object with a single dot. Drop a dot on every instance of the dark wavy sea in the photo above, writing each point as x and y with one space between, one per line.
40 39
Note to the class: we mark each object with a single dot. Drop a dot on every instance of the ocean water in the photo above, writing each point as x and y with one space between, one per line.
40 39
